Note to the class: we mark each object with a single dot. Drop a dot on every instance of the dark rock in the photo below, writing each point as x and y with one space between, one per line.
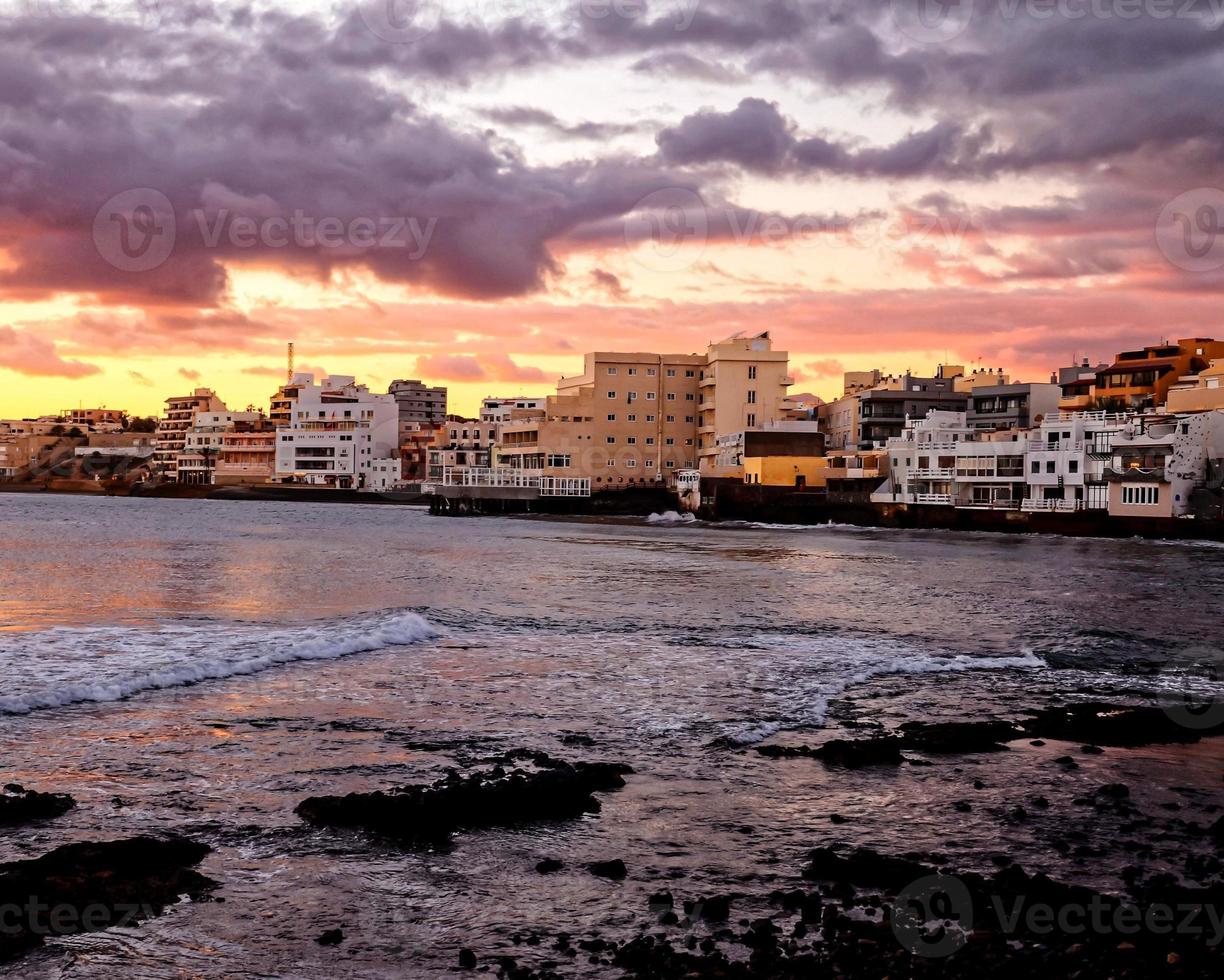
1092 750
101 884
962 806
1066 762
609 869
19 805
716 908
1122 726
577 738
548 866
433 813
467 959
861 865
1114 791
333 937
836 818
661 900
978 784
956 737
856 753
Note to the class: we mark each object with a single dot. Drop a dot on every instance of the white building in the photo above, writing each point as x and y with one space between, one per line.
1158 462
337 432
202 444
942 460
499 410
1067 456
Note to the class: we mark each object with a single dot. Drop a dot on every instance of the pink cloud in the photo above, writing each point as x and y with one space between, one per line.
24 353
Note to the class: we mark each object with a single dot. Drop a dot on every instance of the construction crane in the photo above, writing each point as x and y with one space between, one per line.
289 373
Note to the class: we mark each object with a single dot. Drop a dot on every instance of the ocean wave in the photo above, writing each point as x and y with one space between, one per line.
818 698
671 517
126 660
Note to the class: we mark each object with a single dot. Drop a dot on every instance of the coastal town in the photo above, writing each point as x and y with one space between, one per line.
1140 436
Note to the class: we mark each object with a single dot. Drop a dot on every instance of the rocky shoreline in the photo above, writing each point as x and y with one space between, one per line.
853 910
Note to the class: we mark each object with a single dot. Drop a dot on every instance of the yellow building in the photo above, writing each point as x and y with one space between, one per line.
742 386
785 456
1201 393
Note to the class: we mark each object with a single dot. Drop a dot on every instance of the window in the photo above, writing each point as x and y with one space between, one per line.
611 370
1036 468
651 418
651 372
671 372
633 372
1049 466
611 440
650 440
650 396
633 396
669 441
632 440
689 419
688 397
1141 496
752 372
671 396
671 464
556 459
631 463
689 374
1073 466
611 418
671 418
611 394
611 462
751 420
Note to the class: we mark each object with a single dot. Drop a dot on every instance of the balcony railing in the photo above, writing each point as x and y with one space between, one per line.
1065 445
1037 505
933 498
933 473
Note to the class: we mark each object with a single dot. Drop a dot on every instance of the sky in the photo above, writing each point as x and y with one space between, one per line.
475 192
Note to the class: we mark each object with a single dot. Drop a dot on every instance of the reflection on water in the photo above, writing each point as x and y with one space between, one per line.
674 649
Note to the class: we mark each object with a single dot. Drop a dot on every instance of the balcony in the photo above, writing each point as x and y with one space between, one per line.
705 383
1039 506
706 406
1062 446
944 499
1128 474
932 473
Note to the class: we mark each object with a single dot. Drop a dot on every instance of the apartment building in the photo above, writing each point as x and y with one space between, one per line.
21 451
1203 392
1141 379
95 419
418 402
337 431
742 385
628 418
867 417
1067 457
497 410
1011 406
203 442
941 459
463 443
1078 385
247 454
1159 461
172 428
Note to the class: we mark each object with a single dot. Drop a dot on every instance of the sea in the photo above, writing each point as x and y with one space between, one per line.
199 667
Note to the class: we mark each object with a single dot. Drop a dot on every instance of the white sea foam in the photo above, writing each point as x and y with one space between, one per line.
72 665
671 517
811 706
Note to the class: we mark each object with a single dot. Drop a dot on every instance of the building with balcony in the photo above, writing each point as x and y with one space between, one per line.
337 431
247 454
495 410
95 419
178 417
1011 406
1141 379
741 386
1159 461
867 417
419 402
1066 460
942 460
204 442
1203 392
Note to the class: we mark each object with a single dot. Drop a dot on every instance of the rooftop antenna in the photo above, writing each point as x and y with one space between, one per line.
289 372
